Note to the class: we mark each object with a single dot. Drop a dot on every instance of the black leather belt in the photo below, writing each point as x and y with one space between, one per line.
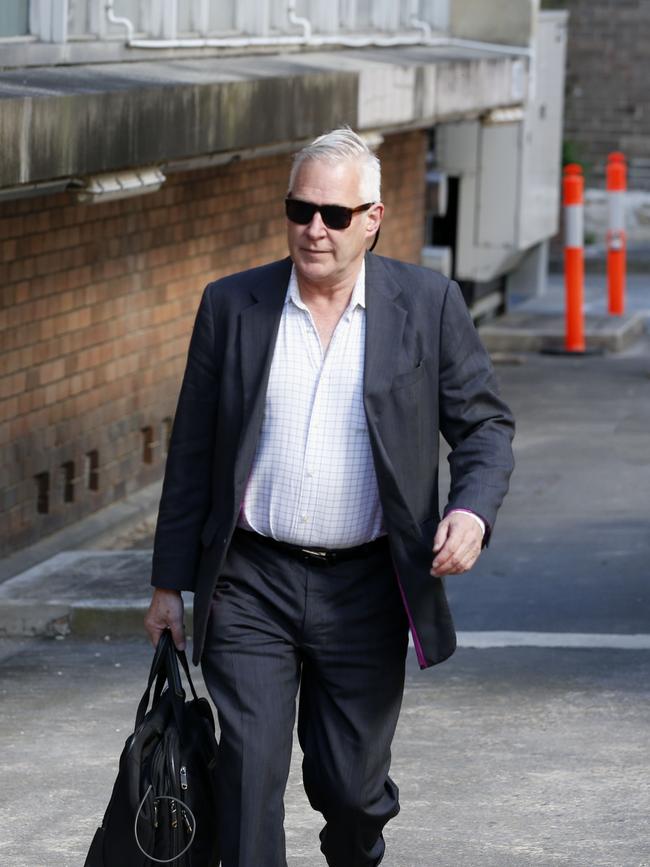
324 556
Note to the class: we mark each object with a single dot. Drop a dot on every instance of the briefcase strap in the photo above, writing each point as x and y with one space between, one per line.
164 670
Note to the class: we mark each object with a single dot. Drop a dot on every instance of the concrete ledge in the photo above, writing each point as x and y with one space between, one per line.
54 120
536 332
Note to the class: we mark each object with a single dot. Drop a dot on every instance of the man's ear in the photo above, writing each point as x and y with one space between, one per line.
374 218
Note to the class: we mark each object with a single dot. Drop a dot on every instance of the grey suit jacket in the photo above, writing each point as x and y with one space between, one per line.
425 372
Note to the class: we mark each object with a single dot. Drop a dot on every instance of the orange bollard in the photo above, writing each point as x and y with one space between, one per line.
616 241
574 257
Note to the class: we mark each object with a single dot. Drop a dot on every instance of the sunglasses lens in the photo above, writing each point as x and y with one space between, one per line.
336 217
299 212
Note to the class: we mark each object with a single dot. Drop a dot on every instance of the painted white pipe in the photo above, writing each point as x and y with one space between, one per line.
281 41
417 23
307 39
325 41
297 21
122 22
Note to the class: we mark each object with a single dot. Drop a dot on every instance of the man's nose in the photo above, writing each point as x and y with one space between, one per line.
316 226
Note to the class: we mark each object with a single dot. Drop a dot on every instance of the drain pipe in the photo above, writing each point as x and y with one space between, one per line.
417 23
297 21
122 22
327 41
307 39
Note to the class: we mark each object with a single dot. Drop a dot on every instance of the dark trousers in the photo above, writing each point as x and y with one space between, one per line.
340 633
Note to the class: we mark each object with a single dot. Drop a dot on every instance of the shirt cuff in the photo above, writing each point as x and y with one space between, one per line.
478 520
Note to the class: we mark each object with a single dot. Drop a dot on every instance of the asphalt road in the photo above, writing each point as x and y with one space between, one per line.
571 548
515 756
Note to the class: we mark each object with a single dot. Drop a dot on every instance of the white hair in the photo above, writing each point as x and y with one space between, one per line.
343 144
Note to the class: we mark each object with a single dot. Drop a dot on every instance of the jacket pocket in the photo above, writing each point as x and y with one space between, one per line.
408 378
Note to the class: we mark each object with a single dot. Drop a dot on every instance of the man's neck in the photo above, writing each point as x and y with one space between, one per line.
334 294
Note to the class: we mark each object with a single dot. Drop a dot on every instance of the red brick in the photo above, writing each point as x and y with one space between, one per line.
52 371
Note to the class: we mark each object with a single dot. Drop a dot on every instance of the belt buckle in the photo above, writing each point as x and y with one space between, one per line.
322 556
312 553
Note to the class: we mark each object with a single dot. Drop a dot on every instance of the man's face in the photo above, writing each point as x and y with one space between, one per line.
330 257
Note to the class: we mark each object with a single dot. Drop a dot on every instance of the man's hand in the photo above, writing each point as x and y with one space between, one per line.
456 545
165 610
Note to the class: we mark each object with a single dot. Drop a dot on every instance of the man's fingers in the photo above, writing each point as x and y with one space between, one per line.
453 563
457 548
441 536
165 611
451 540
154 633
461 561
178 635
461 546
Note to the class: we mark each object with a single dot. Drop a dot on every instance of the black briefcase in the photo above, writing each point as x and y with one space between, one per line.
163 809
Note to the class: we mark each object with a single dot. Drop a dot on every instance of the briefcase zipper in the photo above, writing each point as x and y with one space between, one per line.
188 824
176 776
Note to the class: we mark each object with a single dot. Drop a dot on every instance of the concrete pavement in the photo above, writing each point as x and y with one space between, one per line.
506 756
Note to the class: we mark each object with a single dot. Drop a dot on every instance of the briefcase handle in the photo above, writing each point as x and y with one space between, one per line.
164 669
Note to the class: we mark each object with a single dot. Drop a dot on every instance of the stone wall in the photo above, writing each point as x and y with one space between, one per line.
97 307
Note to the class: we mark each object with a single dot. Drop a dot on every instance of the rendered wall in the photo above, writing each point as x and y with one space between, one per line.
506 22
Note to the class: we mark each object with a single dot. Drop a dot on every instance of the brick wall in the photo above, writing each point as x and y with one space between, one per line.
607 95
97 307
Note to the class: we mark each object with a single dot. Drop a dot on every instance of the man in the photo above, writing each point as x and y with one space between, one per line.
300 505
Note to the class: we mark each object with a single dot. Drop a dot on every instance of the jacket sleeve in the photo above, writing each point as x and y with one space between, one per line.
474 420
186 493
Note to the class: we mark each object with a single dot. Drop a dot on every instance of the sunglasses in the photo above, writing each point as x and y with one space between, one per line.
333 216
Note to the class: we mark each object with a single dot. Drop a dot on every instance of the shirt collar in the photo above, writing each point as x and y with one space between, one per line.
358 296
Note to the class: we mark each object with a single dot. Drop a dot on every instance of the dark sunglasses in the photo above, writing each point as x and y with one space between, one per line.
334 216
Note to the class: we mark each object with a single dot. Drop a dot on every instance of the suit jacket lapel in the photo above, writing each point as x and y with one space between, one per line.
385 321
258 330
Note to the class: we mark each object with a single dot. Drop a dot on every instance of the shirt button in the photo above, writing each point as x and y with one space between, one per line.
305 519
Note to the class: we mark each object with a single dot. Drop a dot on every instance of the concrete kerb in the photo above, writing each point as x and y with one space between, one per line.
92 619
84 593
537 332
